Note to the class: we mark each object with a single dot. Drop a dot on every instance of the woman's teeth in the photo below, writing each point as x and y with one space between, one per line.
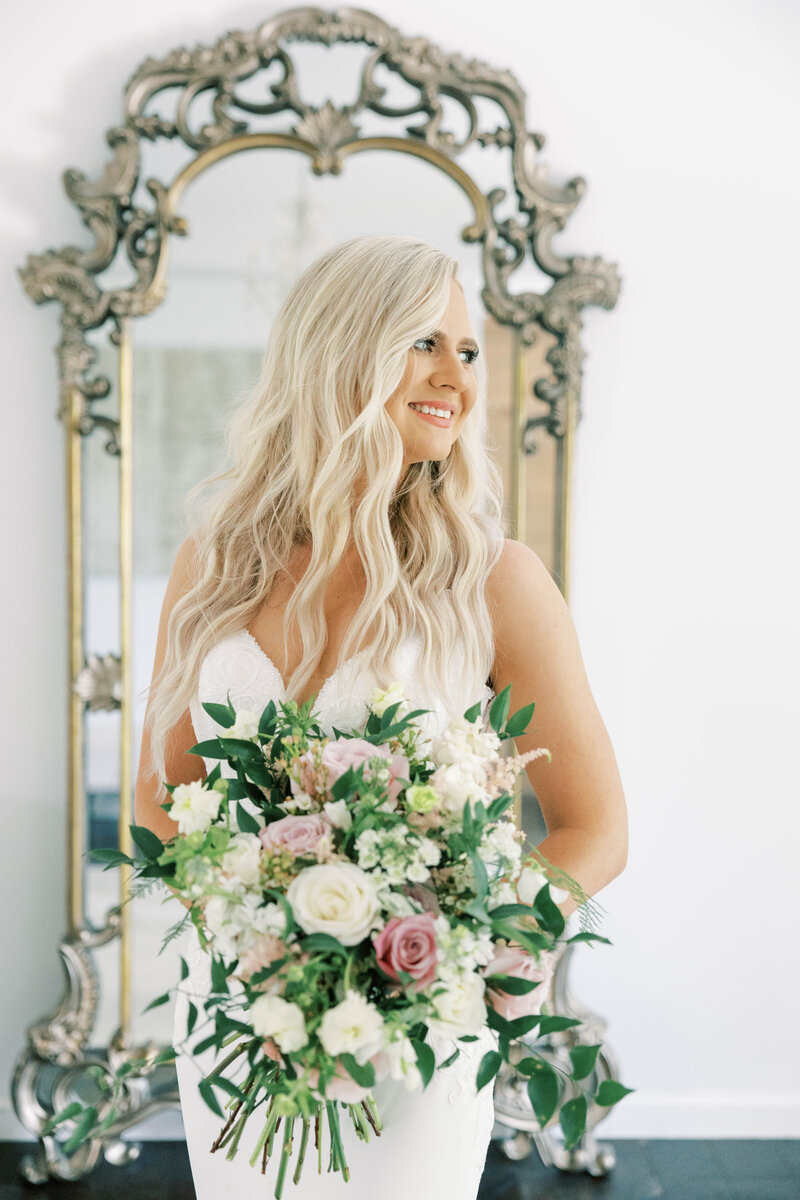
434 412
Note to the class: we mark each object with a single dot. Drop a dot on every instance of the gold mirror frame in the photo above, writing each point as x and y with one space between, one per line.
57 1053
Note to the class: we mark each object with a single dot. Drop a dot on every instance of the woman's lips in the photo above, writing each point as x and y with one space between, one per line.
442 422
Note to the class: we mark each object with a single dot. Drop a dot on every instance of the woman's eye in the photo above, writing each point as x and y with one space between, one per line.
428 344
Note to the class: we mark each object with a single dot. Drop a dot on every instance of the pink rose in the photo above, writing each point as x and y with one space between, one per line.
300 835
263 953
511 960
342 1087
408 944
338 756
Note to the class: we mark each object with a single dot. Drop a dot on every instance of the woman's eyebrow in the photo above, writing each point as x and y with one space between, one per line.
470 343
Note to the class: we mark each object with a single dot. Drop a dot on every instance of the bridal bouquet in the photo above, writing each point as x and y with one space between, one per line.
355 895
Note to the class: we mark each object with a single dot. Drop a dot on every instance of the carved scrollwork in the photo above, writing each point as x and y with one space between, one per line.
140 232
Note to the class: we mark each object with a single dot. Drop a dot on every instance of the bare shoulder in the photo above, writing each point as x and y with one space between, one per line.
523 599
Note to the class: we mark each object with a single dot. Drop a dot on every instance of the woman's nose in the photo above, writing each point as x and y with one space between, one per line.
450 369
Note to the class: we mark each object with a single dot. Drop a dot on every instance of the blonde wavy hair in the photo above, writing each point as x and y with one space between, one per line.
337 351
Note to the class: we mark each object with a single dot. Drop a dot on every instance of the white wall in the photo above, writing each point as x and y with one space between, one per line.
684 592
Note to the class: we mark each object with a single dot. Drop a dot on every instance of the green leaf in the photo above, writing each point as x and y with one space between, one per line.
159 1000
220 713
490 1065
192 1018
556 1024
522 1025
499 709
543 1091
572 1119
219 976
245 820
184 968
426 1060
207 1092
451 1058
473 712
112 857
362 1073
267 718
316 942
65 1114
503 911
585 936
481 878
150 845
611 1091
547 912
82 1130
512 985
583 1060
231 1088
519 722
209 749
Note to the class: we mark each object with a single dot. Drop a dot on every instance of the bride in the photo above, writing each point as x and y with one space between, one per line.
357 538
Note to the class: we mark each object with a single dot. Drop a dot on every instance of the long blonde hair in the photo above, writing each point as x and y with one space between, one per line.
338 349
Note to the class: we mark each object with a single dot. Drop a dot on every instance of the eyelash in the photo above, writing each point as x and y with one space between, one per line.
433 341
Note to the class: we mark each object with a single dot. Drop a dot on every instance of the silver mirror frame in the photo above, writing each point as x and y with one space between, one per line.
58 1050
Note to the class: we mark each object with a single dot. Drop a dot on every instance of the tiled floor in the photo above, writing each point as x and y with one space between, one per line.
645 1170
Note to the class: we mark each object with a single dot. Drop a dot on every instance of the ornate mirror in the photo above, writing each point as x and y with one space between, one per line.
234 166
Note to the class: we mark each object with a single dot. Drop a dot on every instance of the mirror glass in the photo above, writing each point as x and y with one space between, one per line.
254 220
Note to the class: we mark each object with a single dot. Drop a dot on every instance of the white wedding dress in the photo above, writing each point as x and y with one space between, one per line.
434 1142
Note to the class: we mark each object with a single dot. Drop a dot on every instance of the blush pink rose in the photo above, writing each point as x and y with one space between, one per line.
408 944
511 960
267 950
300 835
342 1087
338 756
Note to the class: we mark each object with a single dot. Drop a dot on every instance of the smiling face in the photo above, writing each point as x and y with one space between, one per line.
439 376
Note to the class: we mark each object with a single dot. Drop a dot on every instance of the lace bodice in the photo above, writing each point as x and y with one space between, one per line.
237 665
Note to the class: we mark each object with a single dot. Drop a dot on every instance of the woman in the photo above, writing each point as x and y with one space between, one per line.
359 540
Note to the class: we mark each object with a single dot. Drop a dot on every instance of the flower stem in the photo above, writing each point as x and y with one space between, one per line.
302 1151
286 1153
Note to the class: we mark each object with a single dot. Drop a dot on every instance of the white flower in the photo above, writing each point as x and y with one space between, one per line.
242 857
337 812
381 700
245 726
531 881
458 783
460 1007
352 1027
335 898
279 1019
194 806
400 1062
465 742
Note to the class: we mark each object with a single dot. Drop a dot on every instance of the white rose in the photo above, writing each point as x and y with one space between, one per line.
460 1007
335 898
194 806
279 1019
530 882
245 726
352 1027
457 783
242 857
337 812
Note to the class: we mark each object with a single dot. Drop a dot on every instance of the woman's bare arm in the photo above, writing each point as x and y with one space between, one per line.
580 792
180 767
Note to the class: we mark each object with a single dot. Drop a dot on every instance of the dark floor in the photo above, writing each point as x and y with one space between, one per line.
760 1169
